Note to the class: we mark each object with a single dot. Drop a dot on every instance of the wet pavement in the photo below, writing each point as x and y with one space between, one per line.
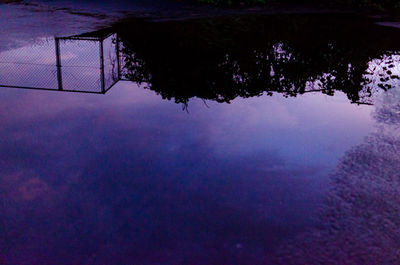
251 139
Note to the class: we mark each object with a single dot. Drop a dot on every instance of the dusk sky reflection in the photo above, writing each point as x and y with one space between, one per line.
126 174
214 146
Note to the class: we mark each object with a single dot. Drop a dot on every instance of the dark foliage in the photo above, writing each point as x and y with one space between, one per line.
224 58
374 4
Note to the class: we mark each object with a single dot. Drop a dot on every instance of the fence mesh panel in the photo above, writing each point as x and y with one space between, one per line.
30 66
80 61
70 64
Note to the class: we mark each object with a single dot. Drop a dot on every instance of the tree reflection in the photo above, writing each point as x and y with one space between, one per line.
224 58
362 212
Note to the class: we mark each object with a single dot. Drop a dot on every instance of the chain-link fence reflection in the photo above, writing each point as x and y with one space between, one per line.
31 66
76 64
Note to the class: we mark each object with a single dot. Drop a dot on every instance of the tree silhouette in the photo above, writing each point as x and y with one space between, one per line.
224 58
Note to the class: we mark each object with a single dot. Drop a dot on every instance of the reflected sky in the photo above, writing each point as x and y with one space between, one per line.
128 176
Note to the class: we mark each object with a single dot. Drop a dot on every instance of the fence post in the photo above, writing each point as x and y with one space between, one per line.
58 62
118 62
103 90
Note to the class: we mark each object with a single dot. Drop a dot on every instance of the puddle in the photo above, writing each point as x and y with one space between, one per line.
230 140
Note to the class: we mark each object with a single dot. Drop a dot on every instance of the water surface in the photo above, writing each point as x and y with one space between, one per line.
238 140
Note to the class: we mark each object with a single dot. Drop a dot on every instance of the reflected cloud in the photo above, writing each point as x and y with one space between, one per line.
133 179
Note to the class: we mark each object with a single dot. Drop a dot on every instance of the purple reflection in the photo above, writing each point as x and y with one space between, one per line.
127 177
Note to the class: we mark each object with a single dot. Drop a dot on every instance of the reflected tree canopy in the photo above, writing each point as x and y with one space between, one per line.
224 58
